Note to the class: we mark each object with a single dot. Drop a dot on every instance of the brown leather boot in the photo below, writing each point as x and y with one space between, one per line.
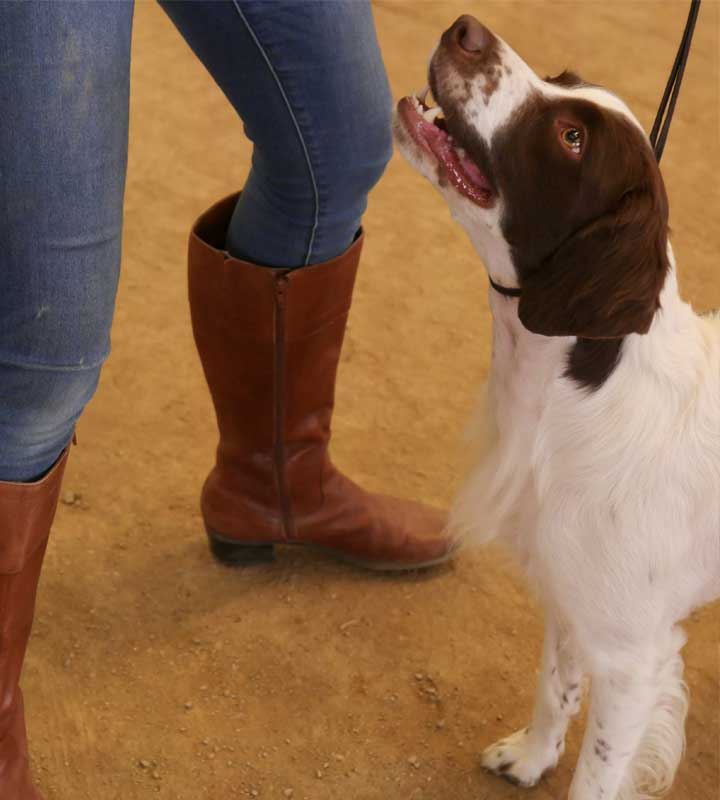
26 514
270 341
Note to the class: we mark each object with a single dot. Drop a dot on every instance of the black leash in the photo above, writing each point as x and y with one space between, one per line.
660 130
658 135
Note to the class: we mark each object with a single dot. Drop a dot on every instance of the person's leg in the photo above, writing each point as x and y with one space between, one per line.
63 148
64 76
308 81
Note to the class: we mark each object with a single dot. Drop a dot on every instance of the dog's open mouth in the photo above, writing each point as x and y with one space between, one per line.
426 125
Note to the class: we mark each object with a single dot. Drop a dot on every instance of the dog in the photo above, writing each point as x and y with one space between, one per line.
600 456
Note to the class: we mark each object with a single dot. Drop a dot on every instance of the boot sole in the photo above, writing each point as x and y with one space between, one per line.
232 553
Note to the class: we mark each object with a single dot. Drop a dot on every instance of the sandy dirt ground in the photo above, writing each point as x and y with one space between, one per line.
152 670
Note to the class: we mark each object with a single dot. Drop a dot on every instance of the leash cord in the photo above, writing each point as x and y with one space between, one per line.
658 135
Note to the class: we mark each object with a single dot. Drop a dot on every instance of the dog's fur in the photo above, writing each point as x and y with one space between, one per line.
600 460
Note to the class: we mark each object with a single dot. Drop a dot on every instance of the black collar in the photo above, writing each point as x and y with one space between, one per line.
504 290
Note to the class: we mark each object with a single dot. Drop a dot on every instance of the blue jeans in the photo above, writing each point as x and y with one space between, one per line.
308 82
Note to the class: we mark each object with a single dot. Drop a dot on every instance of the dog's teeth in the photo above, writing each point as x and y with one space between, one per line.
432 113
461 152
422 94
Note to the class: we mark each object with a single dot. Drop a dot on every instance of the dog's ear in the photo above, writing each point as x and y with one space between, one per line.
603 282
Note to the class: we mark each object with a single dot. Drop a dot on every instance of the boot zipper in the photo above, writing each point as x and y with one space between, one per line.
279 455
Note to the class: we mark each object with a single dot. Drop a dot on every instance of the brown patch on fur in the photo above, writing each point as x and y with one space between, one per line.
588 235
604 280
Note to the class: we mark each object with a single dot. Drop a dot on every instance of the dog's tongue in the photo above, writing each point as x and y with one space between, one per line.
461 170
470 169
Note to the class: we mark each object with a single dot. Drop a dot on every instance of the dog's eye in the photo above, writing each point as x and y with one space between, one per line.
572 138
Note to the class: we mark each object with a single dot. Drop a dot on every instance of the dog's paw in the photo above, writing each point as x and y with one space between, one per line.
520 760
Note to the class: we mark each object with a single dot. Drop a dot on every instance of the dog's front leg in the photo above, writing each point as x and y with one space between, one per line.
621 705
527 755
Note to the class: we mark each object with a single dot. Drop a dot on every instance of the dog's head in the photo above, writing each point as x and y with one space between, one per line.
554 180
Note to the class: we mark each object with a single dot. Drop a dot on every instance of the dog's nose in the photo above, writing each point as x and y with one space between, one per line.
469 34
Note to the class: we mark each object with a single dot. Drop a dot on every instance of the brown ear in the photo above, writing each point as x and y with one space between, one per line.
603 282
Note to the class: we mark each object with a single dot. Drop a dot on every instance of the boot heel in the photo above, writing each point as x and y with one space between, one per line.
238 554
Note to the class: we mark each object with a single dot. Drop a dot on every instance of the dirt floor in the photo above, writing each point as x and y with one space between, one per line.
153 671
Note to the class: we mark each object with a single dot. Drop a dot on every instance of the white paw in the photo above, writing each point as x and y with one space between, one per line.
520 760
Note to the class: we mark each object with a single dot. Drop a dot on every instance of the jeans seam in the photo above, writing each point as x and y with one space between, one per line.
29 365
303 144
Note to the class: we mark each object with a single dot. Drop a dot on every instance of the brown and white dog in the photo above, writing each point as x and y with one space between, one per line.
601 460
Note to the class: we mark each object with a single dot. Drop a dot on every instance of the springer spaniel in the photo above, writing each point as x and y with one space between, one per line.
601 454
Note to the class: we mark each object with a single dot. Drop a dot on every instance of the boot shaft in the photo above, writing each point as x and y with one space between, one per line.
27 511
270 342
